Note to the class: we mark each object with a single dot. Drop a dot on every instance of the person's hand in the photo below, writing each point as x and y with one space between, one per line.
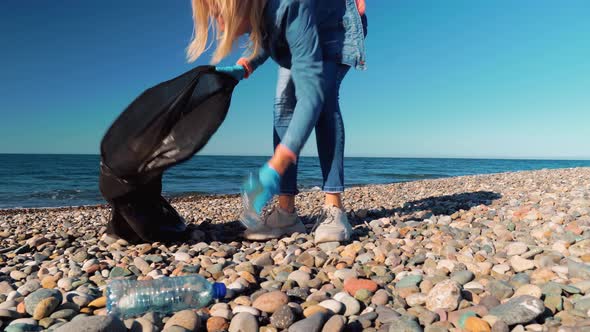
260 189
236 71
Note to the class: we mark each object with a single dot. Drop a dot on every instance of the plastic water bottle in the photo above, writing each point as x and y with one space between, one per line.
128 298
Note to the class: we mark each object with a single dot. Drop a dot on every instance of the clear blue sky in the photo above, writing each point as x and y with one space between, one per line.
446 79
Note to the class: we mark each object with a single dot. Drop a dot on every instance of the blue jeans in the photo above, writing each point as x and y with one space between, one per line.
327 122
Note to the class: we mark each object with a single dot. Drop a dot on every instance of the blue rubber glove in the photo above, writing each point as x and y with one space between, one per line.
261 190
236 71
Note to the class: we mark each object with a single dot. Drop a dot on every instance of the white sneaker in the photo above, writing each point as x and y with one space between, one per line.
332 226
277 224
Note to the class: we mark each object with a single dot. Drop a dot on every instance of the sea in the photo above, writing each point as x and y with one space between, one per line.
54 180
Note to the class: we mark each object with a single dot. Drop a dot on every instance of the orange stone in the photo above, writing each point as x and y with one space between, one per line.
86 310
314 309
49 282
352 285
101 302
407 291
474 324
20 308
217 324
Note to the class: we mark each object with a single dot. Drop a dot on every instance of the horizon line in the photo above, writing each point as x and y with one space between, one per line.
580 158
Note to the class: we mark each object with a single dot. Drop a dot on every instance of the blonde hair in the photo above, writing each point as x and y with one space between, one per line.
233 13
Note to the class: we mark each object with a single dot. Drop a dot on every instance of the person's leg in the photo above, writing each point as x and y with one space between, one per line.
284 106
283 220
330 139
330 143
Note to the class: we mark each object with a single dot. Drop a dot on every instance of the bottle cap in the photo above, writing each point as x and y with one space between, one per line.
219 290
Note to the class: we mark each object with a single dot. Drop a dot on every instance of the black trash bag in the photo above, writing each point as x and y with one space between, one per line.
166 125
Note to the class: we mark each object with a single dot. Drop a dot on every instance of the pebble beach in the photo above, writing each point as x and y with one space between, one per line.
499 252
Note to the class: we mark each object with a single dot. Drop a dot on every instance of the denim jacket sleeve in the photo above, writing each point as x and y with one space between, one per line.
259 59
302 37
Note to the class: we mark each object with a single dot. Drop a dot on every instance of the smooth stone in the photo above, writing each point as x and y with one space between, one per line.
142 265
224 313
94 324
551 288
520 264
283 317
243 322
489 302
474 286
187 319
8 304
352 285
45 307
182 257
345 274
242 308
64 314
300 277
500 326
47 322
332 305
314 309
500 289
386 315
29 287
100 302
271 301
336 323
263 260
409 281
519 310
553 302
477 325
66 284
519 280
5 287
417 299
532 290
310 324
9 314
21 327
381 297
352 306
455 316
516 248
463 318
363 295
445 295
143 325
405 324
119 272
463 277
217 324
34 299
18 275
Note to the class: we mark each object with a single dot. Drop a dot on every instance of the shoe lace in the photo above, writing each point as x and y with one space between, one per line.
321 215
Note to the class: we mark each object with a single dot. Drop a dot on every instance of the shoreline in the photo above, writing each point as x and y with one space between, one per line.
194 198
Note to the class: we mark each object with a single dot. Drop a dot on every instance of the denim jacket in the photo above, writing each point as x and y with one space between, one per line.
302 34
341 31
